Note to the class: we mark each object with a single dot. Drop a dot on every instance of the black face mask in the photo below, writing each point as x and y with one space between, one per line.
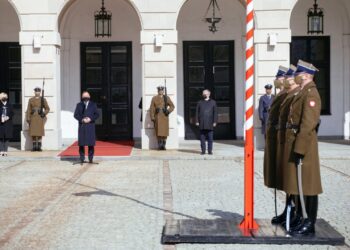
4 99
86 99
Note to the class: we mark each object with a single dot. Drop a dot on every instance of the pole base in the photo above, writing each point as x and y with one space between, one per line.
248 224
229 232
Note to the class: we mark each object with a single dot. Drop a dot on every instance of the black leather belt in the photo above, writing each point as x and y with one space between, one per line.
292 126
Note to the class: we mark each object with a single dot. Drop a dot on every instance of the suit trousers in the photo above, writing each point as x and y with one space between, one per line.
4 144
206 135
90 152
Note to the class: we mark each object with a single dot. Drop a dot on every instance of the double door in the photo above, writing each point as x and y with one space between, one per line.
107 75
209 65
10 81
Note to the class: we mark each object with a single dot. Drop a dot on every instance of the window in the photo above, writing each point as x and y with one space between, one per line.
315 49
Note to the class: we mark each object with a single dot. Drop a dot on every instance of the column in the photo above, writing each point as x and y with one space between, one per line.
39 63
271 20
346 51
159 63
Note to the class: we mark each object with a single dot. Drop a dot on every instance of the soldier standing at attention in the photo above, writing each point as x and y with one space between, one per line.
36 116
264 106
271 132
161 107
292 90
301 148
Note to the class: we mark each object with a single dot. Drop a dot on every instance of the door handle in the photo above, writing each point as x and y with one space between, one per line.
103 97
213 70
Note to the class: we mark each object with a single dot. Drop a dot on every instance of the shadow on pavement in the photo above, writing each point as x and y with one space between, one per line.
225 215
107 193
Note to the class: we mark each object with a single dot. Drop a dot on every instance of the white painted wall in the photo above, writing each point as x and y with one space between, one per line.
191 27
9 23
336 25
78 26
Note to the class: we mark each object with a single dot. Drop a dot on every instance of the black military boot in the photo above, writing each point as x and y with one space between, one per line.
160 144
308 226
34 146
279 219
298 220
306 229
291 216
39 147
164 143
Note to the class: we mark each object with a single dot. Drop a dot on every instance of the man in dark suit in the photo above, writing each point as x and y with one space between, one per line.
6 125
206 119
264 106
86 114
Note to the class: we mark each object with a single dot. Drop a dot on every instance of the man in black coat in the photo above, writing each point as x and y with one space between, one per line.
6 125
86 114
206 119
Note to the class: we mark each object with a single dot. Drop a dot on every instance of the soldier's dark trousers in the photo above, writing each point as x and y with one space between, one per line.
206 135
4 144
161 142
36 143
90 152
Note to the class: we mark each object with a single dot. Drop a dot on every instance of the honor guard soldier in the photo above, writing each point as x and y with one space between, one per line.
264 107
271 132
302 174
36 116
292 89
161 107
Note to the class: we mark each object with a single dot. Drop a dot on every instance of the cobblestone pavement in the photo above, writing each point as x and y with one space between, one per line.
123 204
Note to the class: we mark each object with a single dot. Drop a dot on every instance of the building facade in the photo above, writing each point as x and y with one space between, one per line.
154 40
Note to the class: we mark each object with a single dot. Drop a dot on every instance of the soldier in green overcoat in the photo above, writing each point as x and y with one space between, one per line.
292 90
271 131
36 113
161 107
301 146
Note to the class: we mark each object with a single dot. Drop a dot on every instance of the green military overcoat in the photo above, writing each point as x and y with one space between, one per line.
281 133
304 112
35 121
271 140
161 121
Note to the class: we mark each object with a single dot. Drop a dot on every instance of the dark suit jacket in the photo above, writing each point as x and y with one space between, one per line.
206 114
6 129
86 133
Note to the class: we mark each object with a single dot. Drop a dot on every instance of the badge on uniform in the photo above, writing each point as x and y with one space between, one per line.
312 103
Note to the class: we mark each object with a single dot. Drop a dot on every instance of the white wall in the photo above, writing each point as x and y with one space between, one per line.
232 27
78 26
336 24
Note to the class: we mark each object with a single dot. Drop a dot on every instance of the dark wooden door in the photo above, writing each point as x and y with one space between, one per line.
10 81
107 75
210 65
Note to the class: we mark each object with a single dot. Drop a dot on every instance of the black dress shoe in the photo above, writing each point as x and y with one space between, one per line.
202 153
307 229
210 153
90 161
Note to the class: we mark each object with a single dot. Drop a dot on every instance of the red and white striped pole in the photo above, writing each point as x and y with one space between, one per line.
248 222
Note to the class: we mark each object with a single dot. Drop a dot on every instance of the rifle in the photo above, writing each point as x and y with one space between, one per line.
41 111
165 109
